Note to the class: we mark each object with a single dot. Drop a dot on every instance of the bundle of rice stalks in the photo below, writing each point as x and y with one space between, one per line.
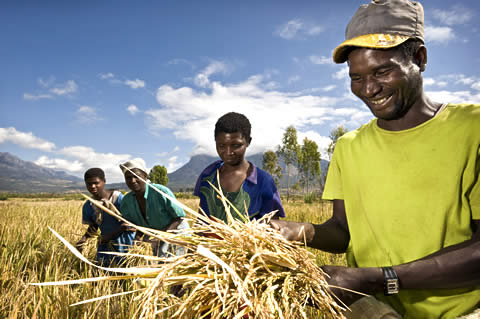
245 270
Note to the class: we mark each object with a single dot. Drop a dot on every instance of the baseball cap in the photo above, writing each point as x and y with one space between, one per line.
134 163
382 24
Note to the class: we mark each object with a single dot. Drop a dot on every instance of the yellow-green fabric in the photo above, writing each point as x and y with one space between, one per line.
408 194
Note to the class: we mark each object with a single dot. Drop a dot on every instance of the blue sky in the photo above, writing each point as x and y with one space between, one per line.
95 83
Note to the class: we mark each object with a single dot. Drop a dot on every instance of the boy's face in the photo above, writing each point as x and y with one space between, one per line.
133 182
231 147
95 186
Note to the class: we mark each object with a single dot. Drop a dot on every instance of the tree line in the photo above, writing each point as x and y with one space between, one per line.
304 157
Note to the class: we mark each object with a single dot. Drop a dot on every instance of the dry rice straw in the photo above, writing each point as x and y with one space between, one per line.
250 272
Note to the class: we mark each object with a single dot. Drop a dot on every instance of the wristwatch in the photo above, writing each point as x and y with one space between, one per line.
390 281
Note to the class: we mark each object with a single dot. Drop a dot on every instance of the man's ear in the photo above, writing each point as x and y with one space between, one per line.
420 58
249 141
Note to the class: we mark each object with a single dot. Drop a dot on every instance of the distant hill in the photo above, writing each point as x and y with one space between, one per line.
184 178
17 175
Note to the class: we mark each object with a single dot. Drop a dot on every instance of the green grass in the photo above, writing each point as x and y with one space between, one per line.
29 252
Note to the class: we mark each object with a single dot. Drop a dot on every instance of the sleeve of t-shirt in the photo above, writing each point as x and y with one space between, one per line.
203 201
475 193
333 185
277 204
87 214
272 199
173 209
118 202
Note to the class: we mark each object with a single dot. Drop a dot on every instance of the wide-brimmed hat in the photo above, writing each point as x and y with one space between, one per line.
134 163
382 24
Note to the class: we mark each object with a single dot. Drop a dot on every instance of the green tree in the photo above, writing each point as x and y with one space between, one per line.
335 134
270 165
289 151
158 175
309 162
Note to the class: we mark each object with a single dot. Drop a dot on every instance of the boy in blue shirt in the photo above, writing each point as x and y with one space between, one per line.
242 183
115 235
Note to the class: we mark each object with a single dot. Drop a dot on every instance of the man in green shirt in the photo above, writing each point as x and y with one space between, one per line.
146 207
405 187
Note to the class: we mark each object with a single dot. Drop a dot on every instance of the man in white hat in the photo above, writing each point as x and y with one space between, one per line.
146 207
405 186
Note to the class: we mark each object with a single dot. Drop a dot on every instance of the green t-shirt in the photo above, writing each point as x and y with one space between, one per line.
160 211
409 194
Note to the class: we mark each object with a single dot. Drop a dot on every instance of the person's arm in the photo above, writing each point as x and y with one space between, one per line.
123 227
452 267
91 231
174 224
332 236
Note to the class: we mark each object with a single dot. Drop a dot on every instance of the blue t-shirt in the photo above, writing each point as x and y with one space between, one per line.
107 224
258 193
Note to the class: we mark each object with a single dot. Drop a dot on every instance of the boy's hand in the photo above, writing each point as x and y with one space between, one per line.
80 244
293 231
126 227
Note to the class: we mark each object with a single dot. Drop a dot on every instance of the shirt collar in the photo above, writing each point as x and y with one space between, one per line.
252 178
145 195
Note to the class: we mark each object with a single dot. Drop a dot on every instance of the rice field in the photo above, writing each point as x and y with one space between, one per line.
31 253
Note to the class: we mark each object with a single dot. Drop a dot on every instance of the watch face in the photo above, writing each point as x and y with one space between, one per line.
391 286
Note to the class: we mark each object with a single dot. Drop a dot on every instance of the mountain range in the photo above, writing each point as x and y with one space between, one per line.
17 175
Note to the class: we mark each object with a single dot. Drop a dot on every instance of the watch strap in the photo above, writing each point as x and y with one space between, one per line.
390 281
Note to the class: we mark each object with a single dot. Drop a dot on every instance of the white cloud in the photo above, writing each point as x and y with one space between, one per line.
61 164
46 83
428 81
438 34
315 59
476 86
192 113
132 109
329 88
88 157
33 97
322 141
87 115
298 28
72 159
24 139
343 73
455 15
454 96
105 76
135 84
466 80
181 61
173 164
293 79
203 78
432 81
442 83
176 149
68 88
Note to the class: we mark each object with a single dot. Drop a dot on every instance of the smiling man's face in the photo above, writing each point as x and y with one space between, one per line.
385 80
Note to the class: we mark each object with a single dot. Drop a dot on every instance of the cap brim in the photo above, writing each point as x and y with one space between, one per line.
373 41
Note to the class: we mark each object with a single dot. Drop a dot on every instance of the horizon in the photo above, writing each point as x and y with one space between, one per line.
96 84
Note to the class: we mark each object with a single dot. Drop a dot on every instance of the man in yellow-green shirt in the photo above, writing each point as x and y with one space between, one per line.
405 187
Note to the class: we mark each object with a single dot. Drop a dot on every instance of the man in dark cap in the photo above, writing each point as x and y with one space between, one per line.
405 186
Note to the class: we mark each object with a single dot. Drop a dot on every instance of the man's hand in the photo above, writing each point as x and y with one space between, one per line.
294 231
362 280
80 244
126 227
